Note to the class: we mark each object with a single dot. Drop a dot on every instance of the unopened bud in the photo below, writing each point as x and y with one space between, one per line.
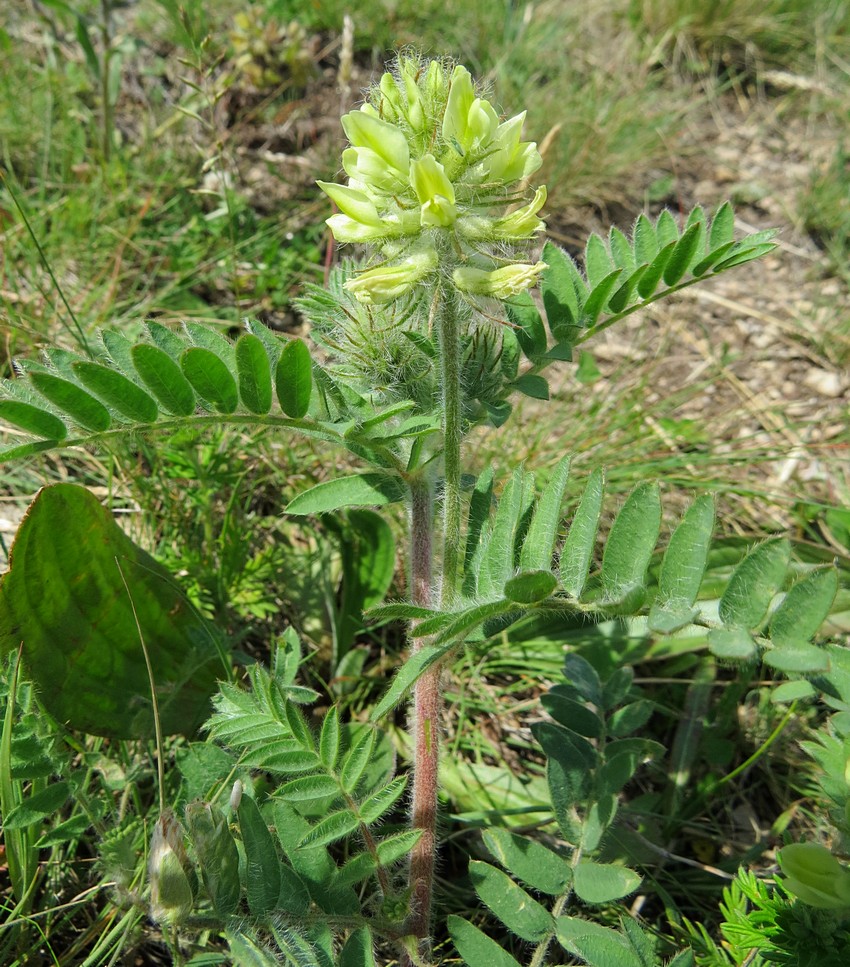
171 891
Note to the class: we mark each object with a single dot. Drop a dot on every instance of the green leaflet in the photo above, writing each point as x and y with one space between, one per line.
164 378
753 584
517 909
79 405
254 371
32 419
577 552
530 861
683 567
294 378
357 951
365 489
117 391
475 947
407 675
631 542
539 544
603 882
262 873
210 378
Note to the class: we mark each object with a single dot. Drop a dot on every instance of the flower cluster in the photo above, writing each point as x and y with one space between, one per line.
429 159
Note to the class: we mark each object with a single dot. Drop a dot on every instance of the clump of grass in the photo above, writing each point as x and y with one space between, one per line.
735 35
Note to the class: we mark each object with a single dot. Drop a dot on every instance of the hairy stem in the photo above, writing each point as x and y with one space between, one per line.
425 724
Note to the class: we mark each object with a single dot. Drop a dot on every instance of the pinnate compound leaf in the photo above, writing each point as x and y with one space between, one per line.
804 608
32 419
294 378
263 865
539 543
357 951
210 378
577 552
65 598
475 947
603 882
631 542
117 391
753 584
529 861
365 489
519 911
254 371
164 378
73 401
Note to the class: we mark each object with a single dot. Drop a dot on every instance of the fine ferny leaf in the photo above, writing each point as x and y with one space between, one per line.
475 947
529 861
631 542
603 882
518 910
164 378
577 552
539 544
254 371
74 402
210 378
753 584
294 378
804 608
262 873
365 489
117 391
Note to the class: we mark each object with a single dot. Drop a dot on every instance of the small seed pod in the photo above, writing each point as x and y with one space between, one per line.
236 795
